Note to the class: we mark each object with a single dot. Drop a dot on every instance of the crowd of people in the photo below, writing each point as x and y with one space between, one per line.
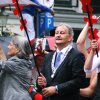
69 72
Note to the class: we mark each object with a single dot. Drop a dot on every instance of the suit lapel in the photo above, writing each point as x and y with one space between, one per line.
49 66
61 65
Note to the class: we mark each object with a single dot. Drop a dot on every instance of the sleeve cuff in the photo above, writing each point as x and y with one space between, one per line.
56 89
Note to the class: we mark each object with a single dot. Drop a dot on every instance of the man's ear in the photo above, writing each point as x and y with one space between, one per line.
70 38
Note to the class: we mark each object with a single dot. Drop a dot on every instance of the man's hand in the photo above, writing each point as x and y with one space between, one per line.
49 91
42 81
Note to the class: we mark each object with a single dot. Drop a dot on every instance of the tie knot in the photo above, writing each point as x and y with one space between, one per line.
59 54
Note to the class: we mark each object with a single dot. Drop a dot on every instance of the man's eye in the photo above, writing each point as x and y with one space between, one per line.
62 32
56 33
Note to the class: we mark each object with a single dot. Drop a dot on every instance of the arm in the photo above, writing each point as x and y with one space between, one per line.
82 37
81 40
2 55
89 60
7 66
10 66
88 91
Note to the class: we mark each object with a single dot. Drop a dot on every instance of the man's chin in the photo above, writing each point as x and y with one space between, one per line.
58 43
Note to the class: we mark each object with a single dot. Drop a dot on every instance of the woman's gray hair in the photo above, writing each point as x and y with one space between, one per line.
22 44
71 32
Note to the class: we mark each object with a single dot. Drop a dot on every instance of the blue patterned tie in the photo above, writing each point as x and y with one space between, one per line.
57 59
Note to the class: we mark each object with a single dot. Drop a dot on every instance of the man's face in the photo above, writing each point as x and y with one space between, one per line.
61 35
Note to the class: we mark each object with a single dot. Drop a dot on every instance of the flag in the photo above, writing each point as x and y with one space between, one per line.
9 2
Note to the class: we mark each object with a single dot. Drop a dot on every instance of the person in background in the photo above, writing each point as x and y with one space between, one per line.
16 71
62 81
93 63
87 92
2 10
29 12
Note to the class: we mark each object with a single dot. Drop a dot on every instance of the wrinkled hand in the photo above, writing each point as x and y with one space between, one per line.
42 81
49 91
94 44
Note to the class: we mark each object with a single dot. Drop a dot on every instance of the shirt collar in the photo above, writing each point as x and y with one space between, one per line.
64 49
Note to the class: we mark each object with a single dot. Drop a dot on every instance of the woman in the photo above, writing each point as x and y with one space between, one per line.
87 92
93 63
16 71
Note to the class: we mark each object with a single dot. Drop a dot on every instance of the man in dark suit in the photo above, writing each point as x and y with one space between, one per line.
62 81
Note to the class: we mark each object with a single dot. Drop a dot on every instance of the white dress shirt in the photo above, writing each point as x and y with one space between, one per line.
63 55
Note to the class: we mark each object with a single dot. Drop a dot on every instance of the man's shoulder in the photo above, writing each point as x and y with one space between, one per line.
77 53
49 54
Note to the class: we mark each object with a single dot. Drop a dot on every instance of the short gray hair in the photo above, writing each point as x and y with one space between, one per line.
22 44
71 32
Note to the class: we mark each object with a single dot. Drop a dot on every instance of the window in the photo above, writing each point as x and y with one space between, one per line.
66 3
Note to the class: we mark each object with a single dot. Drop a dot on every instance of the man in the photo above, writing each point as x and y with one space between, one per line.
62 82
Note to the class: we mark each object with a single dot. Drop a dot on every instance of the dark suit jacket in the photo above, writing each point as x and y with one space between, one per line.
69 77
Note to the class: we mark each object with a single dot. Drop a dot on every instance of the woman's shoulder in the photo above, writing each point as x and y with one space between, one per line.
14 58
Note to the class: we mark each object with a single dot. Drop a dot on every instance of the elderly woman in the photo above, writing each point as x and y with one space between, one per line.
16 71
